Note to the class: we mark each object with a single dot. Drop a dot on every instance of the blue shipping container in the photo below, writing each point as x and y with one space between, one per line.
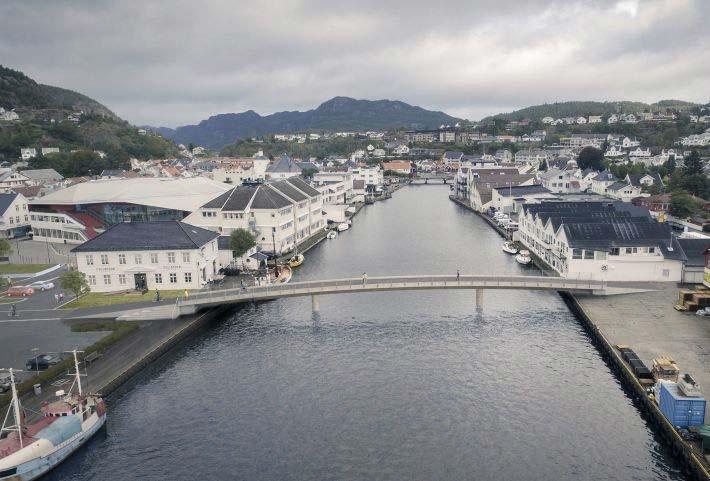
680 410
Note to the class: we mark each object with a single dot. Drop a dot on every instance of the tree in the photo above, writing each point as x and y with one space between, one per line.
5 247
308 173
682 204
590 158
240 241
75 281
693 165
543 166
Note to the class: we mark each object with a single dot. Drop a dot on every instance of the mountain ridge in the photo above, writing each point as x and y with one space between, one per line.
337 114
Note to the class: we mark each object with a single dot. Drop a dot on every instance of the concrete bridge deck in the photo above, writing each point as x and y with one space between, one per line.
201 300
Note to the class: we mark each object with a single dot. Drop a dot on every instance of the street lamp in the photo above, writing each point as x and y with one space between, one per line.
35 351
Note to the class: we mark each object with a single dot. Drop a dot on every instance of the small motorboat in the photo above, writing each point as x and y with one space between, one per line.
344 226
509 247
331 235
523 257
296 260
281 275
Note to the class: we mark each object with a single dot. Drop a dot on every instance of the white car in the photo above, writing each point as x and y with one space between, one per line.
42 285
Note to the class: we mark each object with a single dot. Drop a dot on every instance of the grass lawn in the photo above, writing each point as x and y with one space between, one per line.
23 268
98 299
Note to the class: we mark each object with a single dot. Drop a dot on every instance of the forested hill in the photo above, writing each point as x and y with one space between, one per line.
21 93
337 114
56 117
577 108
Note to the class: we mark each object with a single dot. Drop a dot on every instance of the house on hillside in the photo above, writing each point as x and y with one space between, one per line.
641 180
14 216
283 168
601 181
623 191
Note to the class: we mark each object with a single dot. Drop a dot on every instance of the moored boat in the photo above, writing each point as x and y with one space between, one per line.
282 274
296 260
523 258
509 247
343 226
332 234
29 450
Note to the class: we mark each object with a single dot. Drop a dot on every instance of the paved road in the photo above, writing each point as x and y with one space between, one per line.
25 251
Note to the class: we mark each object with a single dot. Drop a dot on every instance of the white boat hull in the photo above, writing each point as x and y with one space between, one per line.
40 466
524 260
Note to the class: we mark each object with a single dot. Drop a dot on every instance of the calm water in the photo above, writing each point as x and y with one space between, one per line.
385 386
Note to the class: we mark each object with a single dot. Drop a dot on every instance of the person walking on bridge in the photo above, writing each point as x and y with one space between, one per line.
458 275
364 278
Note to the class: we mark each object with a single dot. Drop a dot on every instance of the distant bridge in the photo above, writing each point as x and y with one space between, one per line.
195 302
432 178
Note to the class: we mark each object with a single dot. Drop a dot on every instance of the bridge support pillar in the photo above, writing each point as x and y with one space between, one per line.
315 304
479 299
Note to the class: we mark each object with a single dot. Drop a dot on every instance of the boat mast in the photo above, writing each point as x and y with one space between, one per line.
78 376
16 408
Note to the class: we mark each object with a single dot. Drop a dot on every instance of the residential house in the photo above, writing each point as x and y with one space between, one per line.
10 179
508 199
399 167
644 180
595 119
639 152
601 181
49 151
379 153
623 191
149 256
27 153
373 177
503 156
581 120
613 119
614 153
14 216
452 156
401 149
42 176
483 183
655 203
601 241
560 181
547 120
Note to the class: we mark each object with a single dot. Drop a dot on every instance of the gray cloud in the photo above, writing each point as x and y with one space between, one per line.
174 62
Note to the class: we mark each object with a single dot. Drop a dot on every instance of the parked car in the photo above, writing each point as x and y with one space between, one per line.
5 381
42 285
41 362
20 291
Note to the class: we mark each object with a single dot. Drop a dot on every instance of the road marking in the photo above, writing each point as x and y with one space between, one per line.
2 321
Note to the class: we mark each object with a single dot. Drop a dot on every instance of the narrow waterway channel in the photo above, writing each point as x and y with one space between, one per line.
384 386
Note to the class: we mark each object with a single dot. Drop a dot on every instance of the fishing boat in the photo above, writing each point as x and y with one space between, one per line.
343 226
332 234
282 274
29 450
296 260
509 247
523 258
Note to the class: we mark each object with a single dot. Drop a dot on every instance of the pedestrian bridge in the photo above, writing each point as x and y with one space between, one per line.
216 297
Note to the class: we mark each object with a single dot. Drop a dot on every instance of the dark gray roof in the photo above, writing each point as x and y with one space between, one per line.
143 236
636 179
267 197
284 164
605 176
455 154
303 186
289 191
694 250
235 199
617 234
5 201
519 190
617 186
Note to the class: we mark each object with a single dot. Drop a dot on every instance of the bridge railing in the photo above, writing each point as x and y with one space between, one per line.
373 283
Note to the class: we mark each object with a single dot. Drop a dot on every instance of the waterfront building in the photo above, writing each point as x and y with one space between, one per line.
399 167
510 198
149 255
82 211
279 214
482 185
14 216
601 241
283 168
373 177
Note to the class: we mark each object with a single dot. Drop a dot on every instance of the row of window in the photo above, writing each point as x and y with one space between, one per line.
137 258
122 278
56 233
17 219
48 218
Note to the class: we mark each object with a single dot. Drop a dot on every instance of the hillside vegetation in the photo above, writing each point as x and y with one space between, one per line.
577 108
44 112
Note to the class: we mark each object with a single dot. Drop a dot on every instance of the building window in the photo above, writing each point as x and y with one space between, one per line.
121 258
89 260
614 251
153 258
171 258
186 257
139 259
158 278
173 278
588 254
122 279
104 259
576 253
92 280
107 279
188 277
600 256
651 250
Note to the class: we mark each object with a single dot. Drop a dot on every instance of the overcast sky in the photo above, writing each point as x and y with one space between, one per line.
169 63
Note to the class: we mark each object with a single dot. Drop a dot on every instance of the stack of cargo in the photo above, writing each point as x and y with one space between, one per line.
692 300
680 410
642 373
665 369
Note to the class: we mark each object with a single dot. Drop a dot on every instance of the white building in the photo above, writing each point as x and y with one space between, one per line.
14 216
623 191
283 168
601 241
639 152
10 178
27 153
373 177
164 255
560 181
595 119
279 214
601 181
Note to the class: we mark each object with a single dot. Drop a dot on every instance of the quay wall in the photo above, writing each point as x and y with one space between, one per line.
691 461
